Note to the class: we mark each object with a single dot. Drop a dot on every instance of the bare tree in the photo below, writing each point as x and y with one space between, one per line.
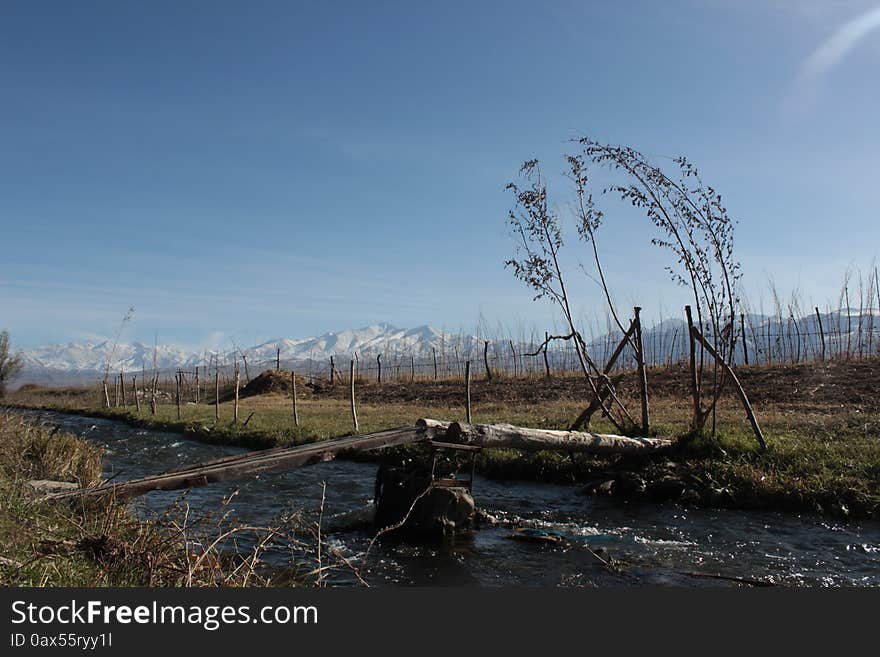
696 228
10 364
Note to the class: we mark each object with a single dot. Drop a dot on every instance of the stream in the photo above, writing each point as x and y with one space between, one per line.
654 544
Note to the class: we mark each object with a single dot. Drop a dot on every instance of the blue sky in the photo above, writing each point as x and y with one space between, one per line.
252 170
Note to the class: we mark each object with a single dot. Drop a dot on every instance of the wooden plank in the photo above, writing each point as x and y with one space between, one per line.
452 483
455 446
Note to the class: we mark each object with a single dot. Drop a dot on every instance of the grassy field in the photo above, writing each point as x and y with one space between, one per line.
822 423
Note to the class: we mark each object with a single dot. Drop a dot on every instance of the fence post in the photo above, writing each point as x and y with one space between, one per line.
643 377
198 386
467 389
293 394
106 393
742 324
695 391
278 358
821 332
237 382
354 417
379 365
486 360
177 393
434 353
217 393
134 390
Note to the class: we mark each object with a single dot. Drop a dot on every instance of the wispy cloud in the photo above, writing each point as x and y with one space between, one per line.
839 45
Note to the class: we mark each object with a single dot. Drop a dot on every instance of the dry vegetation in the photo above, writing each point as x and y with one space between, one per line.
102 543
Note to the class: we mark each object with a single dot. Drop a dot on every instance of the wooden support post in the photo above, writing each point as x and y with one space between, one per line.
643 377
434 354
293 395
116 392
821 332
198 386
134 391
332 371
217 393
235 406
153 384
177 393
697 419
467 389
546 360
106 393
412 368
513 352
379 366
122 386
278 358
354 417
486 360
750 414
742 326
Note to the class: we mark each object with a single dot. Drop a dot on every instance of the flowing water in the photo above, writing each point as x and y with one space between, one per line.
651 543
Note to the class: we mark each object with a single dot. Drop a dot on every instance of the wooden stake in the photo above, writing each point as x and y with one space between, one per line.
434 354
354 417
379 365
643 377
486 360
134 391
235 407
821 332
546 360
467 388
198 388
750 414
293 395
412 368
122 386
177 395
217 393
742 326
278 358
696 422
106 394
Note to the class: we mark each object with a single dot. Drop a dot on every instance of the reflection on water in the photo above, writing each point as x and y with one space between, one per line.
652 543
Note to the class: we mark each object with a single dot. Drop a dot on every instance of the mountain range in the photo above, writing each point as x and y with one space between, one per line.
768 339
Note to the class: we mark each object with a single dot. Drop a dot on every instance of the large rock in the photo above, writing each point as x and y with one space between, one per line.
406 497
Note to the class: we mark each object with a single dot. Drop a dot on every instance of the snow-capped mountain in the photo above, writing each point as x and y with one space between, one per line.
78 361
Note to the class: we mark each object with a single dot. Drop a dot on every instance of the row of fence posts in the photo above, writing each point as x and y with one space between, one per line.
633 336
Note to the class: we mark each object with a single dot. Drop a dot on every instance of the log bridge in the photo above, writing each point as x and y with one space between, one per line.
489 436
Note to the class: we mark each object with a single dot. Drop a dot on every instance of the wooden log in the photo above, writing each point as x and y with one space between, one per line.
253 463
507 436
